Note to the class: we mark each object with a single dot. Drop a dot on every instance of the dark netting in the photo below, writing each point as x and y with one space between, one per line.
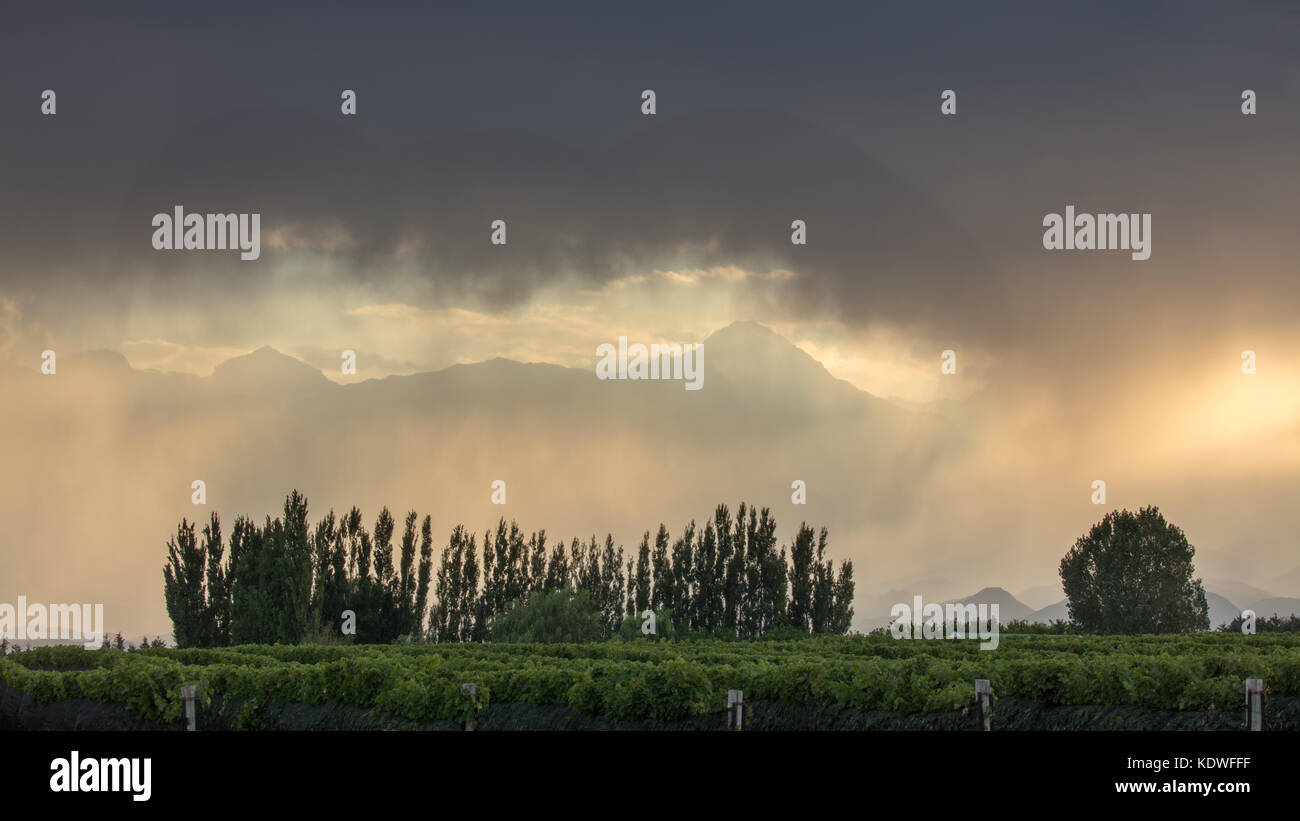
20 712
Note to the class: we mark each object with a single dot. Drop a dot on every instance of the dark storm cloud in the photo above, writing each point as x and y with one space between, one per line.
766 115
718 188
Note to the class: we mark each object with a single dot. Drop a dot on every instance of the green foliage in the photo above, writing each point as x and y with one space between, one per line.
288 582
660 681
1272 624
1132 573
630 629
184 589
559 617
1058 627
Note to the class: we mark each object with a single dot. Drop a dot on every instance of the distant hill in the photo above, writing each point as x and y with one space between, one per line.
1237 591
1221 610
266 370
1279 605
1041 596
1009 607
1050 613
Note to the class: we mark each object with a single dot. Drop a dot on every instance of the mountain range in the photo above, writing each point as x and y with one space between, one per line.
1221 610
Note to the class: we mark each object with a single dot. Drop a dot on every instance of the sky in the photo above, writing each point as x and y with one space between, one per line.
924 230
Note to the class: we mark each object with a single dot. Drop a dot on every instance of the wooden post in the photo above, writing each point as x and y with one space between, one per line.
1255 704
189 696
471 690
984 695
735 710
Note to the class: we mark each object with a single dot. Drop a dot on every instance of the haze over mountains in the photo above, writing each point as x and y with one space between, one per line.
1222 611
100 459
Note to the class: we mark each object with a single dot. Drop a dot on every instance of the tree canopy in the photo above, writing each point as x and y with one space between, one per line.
289 582
1132 573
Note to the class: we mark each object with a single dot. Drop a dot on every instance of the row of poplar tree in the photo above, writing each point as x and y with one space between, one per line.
287 582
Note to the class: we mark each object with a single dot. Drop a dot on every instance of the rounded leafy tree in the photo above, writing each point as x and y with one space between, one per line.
1132 573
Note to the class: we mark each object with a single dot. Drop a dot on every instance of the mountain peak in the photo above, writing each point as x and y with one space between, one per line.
1009 607
747 330
268 368
268 354
752 354
747 339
